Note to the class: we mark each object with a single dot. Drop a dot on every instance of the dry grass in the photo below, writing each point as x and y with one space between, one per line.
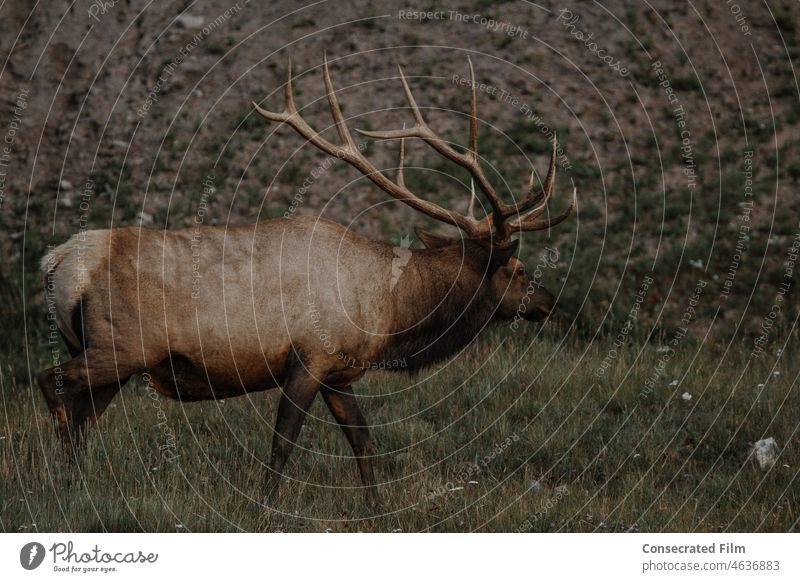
520 436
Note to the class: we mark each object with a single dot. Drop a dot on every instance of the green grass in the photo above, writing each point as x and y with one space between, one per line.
582 452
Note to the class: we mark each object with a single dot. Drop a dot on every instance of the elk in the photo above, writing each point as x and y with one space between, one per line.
125 301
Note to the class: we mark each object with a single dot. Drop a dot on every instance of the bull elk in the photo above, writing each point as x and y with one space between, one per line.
125 304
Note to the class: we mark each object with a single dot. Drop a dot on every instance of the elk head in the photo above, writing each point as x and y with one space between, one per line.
487 242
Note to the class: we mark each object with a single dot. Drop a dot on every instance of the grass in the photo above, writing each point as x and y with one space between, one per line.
522 435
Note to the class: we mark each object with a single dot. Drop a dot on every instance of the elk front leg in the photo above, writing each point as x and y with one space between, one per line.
342 404
297 395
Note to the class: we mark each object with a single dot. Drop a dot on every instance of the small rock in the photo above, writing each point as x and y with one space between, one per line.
764 453
189 21
145 218
686 396
65 200
66 185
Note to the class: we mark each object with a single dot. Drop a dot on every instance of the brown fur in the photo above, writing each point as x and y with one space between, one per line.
286 302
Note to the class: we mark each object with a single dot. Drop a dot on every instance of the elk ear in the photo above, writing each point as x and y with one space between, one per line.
431 240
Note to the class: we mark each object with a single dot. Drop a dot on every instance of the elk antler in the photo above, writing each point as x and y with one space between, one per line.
347 150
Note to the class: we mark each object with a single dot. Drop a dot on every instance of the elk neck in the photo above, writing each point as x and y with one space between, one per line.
440 304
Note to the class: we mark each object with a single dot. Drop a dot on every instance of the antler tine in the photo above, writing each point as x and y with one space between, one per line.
420 128
400 180
289 108
471 209
473 114
528 221
288 91
411 101
532 197
336 111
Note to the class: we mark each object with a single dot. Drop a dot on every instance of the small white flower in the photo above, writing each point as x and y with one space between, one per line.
686 396
673 383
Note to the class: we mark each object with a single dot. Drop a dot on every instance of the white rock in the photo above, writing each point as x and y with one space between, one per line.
686 396
65 200
146 218
66 185
764 452
189 21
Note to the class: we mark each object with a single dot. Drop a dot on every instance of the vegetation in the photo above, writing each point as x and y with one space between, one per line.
522 434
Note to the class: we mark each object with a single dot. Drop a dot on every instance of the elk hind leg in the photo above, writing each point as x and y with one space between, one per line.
78 391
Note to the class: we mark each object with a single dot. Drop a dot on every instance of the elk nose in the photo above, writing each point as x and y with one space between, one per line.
546 304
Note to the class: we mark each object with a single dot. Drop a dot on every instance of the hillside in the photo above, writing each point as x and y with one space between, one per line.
118 115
